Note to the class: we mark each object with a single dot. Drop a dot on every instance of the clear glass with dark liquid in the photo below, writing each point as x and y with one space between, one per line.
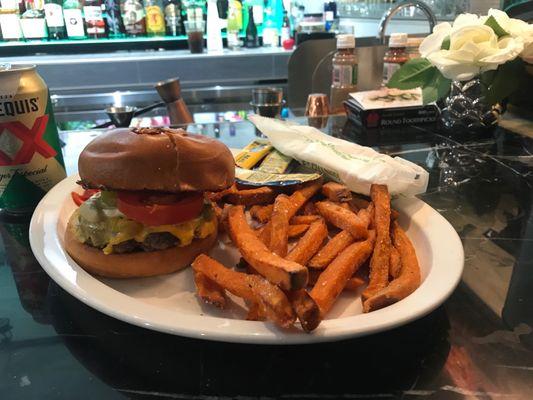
195 35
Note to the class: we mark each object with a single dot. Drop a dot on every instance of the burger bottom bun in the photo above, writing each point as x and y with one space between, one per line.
137 264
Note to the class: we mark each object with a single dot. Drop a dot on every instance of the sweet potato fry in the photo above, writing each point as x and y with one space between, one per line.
309 209
256 313
379 263
309 244
342 218
250 197
333 279
297 200
395 263
219 196
304 219
336 192
367 215
263 233
330 250
354 283
209 291
230 280
286 274
279 226
297 230
272 301
305 308
253 288
261 213
301 196
408 280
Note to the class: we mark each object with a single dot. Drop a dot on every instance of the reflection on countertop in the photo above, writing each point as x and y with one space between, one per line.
478 345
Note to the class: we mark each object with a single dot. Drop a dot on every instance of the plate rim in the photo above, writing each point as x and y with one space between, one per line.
222 329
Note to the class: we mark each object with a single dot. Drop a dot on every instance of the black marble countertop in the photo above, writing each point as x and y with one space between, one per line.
477 345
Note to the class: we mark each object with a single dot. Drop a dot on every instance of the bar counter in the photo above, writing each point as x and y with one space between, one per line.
477 345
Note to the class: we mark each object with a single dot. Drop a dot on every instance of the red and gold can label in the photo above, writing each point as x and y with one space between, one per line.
31 162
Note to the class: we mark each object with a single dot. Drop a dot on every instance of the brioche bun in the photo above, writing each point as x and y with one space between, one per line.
160 159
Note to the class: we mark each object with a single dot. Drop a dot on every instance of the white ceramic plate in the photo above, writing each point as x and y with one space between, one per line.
168 303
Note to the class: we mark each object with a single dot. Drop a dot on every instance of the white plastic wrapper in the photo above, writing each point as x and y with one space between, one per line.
351 164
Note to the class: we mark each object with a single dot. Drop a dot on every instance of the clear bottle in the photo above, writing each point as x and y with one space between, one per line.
133 17
344 79
395 56
172 9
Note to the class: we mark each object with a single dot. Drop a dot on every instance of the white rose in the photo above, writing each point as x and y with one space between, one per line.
516 28
474 49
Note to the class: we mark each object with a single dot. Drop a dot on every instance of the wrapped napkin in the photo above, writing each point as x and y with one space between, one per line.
351 164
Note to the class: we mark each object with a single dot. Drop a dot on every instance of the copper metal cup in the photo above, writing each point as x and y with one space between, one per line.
317 110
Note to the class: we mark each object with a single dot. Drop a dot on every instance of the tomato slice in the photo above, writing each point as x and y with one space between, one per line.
80 198
160 209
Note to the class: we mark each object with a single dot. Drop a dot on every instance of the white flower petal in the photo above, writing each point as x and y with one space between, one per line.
509 49
466 19
433 42
452 69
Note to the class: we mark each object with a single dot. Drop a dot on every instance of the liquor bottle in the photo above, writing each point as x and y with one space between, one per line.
94 19
270 31
234 24
172 10
133 17
53 10
73 13
155 21
252 38
285 27
330 14
10 20
115 25
33 22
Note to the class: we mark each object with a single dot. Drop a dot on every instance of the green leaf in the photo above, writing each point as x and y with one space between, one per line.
437 88
414 73
445 43
495 26
507 80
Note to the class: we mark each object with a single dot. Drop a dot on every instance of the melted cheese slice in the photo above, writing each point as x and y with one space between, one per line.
185 232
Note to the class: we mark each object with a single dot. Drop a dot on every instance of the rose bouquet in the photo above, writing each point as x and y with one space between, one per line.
491 50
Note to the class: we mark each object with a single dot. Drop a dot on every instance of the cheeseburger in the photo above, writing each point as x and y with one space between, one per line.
150 215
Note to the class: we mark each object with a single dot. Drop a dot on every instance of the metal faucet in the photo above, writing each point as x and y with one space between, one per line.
391 12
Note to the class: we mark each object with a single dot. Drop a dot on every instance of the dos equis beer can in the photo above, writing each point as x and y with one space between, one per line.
30 155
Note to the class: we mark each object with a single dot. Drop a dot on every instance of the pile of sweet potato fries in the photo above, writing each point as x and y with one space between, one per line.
300 250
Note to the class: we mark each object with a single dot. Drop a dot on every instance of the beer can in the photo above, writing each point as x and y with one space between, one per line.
31 162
